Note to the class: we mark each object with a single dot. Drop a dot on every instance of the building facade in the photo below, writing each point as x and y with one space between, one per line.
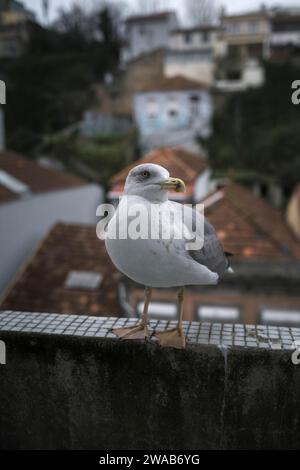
285 34
32 199
146 33
191 53
242 46
16 23
293 211
172 112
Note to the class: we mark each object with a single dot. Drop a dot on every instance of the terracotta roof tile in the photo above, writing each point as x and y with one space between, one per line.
41 285
36 177
249 227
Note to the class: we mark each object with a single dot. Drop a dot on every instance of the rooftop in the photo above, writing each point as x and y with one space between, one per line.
69 273
250 227
255 14
158 16
176 83
72 273
18 171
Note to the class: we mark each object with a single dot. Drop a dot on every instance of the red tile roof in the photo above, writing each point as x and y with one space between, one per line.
176 83
178 161
36 177
249 227
41 285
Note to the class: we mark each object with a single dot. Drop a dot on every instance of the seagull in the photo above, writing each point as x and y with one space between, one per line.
161 262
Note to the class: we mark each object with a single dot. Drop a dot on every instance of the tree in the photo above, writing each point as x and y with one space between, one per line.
78 26
49 87
258 130
202 11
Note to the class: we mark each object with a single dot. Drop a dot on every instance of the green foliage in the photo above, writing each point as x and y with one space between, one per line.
49 87
259 129
102 156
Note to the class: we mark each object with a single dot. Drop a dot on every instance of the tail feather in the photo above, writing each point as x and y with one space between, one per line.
228 255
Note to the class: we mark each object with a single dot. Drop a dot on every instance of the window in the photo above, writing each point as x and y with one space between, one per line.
173 113
173 107
152 107
280 316
88 280
205 36
253 27
218 313
187 38
233 75
164 310
233 28
194 102
12 184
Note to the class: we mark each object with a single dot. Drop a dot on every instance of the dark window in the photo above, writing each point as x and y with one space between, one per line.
187 38
205 36
234 75
194 100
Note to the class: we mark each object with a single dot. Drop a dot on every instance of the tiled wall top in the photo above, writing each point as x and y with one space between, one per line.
252 336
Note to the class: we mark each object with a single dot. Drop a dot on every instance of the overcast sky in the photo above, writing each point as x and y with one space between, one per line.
231 5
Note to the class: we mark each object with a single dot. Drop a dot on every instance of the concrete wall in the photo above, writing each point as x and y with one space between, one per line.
202 185
67 392
25 222
195 66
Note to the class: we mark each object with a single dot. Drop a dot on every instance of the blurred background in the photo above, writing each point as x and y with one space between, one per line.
208 89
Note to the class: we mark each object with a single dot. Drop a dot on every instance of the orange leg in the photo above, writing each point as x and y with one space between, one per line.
139 331
174 338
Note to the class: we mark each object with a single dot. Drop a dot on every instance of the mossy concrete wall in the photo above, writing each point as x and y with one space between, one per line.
63 392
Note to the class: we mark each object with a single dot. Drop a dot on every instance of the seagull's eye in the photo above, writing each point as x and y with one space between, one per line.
145 174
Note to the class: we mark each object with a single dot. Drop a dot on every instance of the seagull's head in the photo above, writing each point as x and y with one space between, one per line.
151 182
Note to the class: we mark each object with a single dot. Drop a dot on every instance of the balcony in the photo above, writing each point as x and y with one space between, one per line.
68 383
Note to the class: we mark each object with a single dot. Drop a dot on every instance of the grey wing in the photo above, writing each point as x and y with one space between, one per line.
211 254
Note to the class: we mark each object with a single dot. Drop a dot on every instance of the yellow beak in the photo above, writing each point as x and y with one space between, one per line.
173 184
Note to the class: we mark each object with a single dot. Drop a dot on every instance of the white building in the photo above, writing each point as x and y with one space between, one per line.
285 35
191 53
32 199
171 112
242 46
146 33
251 74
